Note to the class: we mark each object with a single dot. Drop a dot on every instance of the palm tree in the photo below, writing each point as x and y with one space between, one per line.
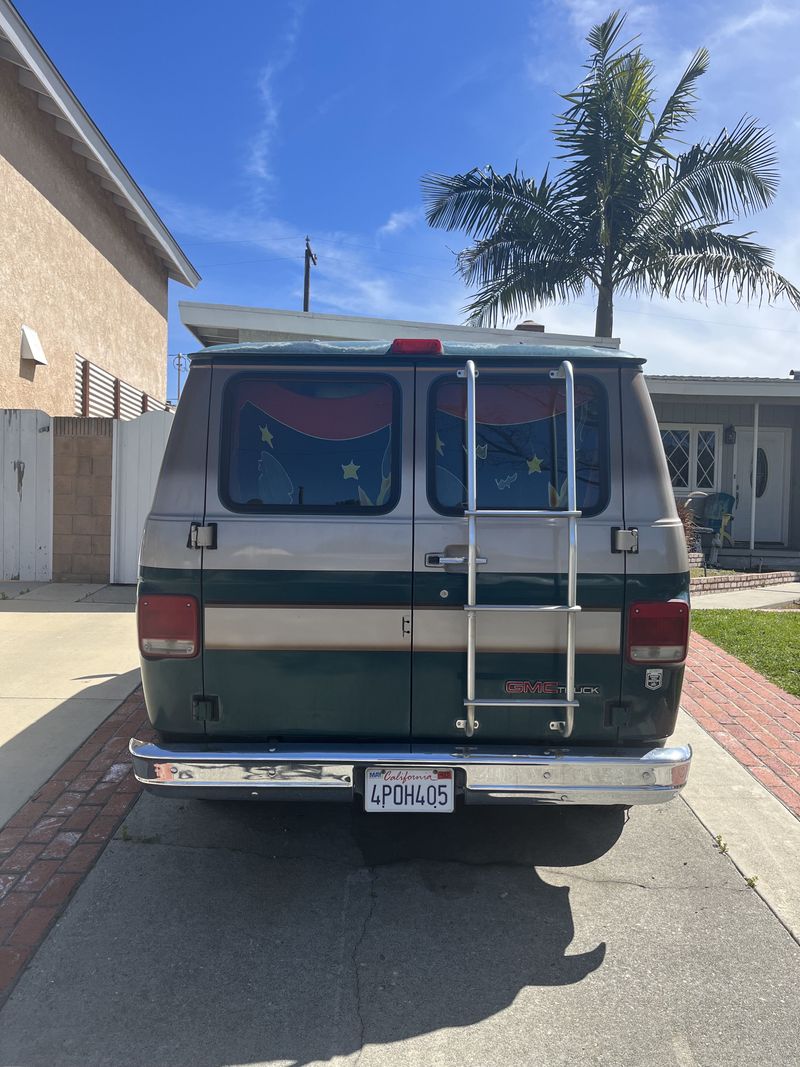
626 213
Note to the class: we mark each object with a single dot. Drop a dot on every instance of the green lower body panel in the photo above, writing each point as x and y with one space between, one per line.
440 687
312 695
650 713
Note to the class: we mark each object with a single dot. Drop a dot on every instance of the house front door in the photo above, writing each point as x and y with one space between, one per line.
771 485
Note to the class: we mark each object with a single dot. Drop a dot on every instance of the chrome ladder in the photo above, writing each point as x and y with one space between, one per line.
571 608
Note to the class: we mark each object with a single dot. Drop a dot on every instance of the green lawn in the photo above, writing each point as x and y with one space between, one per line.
768 641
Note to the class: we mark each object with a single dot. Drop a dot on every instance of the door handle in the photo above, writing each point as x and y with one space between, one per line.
434 559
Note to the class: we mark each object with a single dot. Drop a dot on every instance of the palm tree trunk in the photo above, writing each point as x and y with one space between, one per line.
604 319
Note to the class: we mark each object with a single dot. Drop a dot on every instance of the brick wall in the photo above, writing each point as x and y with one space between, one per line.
82 499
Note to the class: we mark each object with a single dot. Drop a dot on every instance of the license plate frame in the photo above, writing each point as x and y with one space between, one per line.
409 790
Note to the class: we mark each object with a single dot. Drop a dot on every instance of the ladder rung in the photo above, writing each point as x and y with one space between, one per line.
522 607
483 513
521 703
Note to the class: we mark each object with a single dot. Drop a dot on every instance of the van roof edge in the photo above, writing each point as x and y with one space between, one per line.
449 348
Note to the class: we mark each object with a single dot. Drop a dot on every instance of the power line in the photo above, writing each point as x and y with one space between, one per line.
331 242
689 318
431 278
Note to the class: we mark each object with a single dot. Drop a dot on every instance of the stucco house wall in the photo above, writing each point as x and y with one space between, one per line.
72 267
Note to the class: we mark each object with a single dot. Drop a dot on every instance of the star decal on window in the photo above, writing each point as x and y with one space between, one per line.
266 436
350 470
534 464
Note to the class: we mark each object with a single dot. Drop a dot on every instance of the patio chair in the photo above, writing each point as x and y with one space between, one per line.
713 513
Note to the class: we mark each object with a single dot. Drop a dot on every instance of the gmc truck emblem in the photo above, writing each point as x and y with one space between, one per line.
514 688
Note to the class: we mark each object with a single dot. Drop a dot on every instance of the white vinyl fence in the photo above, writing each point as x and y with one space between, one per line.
138 450
26 496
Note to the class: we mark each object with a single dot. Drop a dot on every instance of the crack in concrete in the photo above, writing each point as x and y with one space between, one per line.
662 887
373 900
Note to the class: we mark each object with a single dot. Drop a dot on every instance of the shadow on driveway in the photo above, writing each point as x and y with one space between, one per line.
228 933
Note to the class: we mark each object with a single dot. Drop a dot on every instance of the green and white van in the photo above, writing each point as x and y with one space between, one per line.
414 572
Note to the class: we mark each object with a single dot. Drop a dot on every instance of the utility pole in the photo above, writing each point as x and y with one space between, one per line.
180 362
310 258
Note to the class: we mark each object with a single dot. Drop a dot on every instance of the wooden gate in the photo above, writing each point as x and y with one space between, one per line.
26 496
138 450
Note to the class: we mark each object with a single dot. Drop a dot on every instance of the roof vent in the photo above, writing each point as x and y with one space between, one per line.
530 325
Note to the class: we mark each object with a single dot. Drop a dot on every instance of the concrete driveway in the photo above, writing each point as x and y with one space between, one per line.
68 657
215 933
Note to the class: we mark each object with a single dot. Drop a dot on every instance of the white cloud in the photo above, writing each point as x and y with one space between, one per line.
347 280
584 14
690 338
764 16
259 164
401 220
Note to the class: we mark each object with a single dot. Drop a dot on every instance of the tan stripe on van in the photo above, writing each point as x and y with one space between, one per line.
320 628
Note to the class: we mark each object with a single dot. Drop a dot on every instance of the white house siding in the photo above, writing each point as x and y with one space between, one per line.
737 413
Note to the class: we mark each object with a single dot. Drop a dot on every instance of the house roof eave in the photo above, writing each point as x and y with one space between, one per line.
711 388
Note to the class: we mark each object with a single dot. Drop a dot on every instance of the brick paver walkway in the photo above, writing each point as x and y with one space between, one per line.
756 721
50 845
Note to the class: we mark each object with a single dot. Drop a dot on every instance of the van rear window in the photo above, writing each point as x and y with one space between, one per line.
317 443
521 444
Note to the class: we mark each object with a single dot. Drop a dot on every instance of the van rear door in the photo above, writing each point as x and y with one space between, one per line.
307 594
521 464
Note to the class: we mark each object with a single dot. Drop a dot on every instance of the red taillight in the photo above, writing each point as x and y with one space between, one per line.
658 631
168 626
416 346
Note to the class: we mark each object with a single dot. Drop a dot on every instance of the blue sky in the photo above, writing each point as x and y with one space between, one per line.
251 124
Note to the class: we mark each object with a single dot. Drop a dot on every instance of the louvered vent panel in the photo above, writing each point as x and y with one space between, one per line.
101 392
130 402
101 388
78 405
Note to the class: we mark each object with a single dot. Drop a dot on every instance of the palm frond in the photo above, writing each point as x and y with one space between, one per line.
513 295
603 37
600 133
704 262
732 176
679 108
479 201
508 253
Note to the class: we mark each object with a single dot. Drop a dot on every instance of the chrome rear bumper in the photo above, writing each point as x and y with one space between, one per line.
484 775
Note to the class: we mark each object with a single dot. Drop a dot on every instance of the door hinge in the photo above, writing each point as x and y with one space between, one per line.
205 709
202 536
623 540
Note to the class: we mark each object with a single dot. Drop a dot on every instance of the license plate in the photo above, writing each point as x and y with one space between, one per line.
408 789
